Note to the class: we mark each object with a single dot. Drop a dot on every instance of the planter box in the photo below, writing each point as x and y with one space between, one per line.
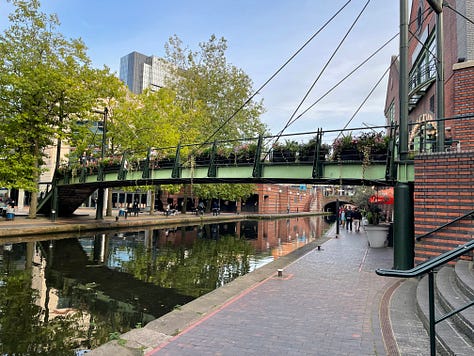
280 156
351 155
377 235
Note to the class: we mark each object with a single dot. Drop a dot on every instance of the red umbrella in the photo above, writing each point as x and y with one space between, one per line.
384 196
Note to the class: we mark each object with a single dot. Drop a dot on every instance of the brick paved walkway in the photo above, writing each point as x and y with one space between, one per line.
326 303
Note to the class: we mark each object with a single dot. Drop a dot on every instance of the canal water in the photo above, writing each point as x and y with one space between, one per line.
60 294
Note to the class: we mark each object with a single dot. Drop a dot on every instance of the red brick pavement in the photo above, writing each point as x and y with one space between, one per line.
327 303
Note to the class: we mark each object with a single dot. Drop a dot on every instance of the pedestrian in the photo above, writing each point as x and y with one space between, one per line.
357 217
201 208
135 208
343 217
349 218
215 208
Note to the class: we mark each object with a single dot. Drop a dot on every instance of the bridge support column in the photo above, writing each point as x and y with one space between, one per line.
99 208
403 227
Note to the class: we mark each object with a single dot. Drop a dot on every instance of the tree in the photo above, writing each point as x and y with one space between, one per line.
153 119
205 78
46 85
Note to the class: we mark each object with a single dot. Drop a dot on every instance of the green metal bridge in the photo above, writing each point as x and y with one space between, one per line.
72 185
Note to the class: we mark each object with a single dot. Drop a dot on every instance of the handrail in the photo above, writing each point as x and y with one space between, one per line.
418 238
428 265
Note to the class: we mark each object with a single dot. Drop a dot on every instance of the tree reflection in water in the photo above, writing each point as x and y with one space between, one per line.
25 328
77 292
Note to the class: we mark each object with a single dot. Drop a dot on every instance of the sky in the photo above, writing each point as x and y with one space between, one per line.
261 36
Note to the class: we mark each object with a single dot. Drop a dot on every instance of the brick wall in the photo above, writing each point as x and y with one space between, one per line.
464 104
444 190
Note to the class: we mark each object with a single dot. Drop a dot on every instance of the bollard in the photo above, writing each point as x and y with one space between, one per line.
280 272
319 248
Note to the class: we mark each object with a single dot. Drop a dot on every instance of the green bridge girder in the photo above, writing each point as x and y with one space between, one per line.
349 172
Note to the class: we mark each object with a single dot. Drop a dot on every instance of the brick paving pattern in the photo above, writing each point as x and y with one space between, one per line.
326 303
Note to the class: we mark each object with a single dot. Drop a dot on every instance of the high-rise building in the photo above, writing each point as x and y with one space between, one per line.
140 72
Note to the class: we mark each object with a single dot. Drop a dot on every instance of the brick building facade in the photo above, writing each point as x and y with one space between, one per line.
444 181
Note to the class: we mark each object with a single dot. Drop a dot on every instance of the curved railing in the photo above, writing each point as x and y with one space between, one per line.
429 268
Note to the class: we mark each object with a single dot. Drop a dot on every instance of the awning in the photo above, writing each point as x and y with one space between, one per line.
384 196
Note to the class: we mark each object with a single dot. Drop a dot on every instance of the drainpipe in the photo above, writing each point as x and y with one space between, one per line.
437 6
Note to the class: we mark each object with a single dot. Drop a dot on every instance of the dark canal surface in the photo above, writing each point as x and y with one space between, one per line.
66 293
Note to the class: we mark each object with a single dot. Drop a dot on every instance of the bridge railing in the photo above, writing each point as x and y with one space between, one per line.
424 134
303 148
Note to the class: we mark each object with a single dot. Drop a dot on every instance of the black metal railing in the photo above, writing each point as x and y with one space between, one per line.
429 268
469 214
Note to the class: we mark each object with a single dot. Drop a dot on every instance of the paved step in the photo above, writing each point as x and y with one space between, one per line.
451 297
408 330
449 340
465 277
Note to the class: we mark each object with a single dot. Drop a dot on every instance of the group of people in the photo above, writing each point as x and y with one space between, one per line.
350 218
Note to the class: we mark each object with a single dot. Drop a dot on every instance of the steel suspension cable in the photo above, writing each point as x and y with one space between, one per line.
323 70
426 12
277 72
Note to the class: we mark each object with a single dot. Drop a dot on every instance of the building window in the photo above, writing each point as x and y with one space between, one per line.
419 17
424 69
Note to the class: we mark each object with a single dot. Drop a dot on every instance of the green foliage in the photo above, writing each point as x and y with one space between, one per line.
193 272
46 86
224 191
361 199
153 119
222 90
19 315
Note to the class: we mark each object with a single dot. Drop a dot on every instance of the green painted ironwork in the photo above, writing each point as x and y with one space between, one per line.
257 163
176 173
212 171
83 175
317 163
146 165
123 170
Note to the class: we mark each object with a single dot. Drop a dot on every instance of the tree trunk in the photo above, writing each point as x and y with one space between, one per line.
152 202
34 194
108 211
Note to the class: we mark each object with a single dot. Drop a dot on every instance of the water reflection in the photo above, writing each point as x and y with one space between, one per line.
84 289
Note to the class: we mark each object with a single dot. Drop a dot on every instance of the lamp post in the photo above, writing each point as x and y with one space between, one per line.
99 212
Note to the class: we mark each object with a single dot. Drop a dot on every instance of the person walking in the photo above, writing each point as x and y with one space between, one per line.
343 216
349 213
357 217
135 208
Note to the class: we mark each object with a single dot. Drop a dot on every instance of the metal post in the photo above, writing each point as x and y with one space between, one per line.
403 227
432 317
337 217
99 209
440 75
104 132
54 201
403 85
